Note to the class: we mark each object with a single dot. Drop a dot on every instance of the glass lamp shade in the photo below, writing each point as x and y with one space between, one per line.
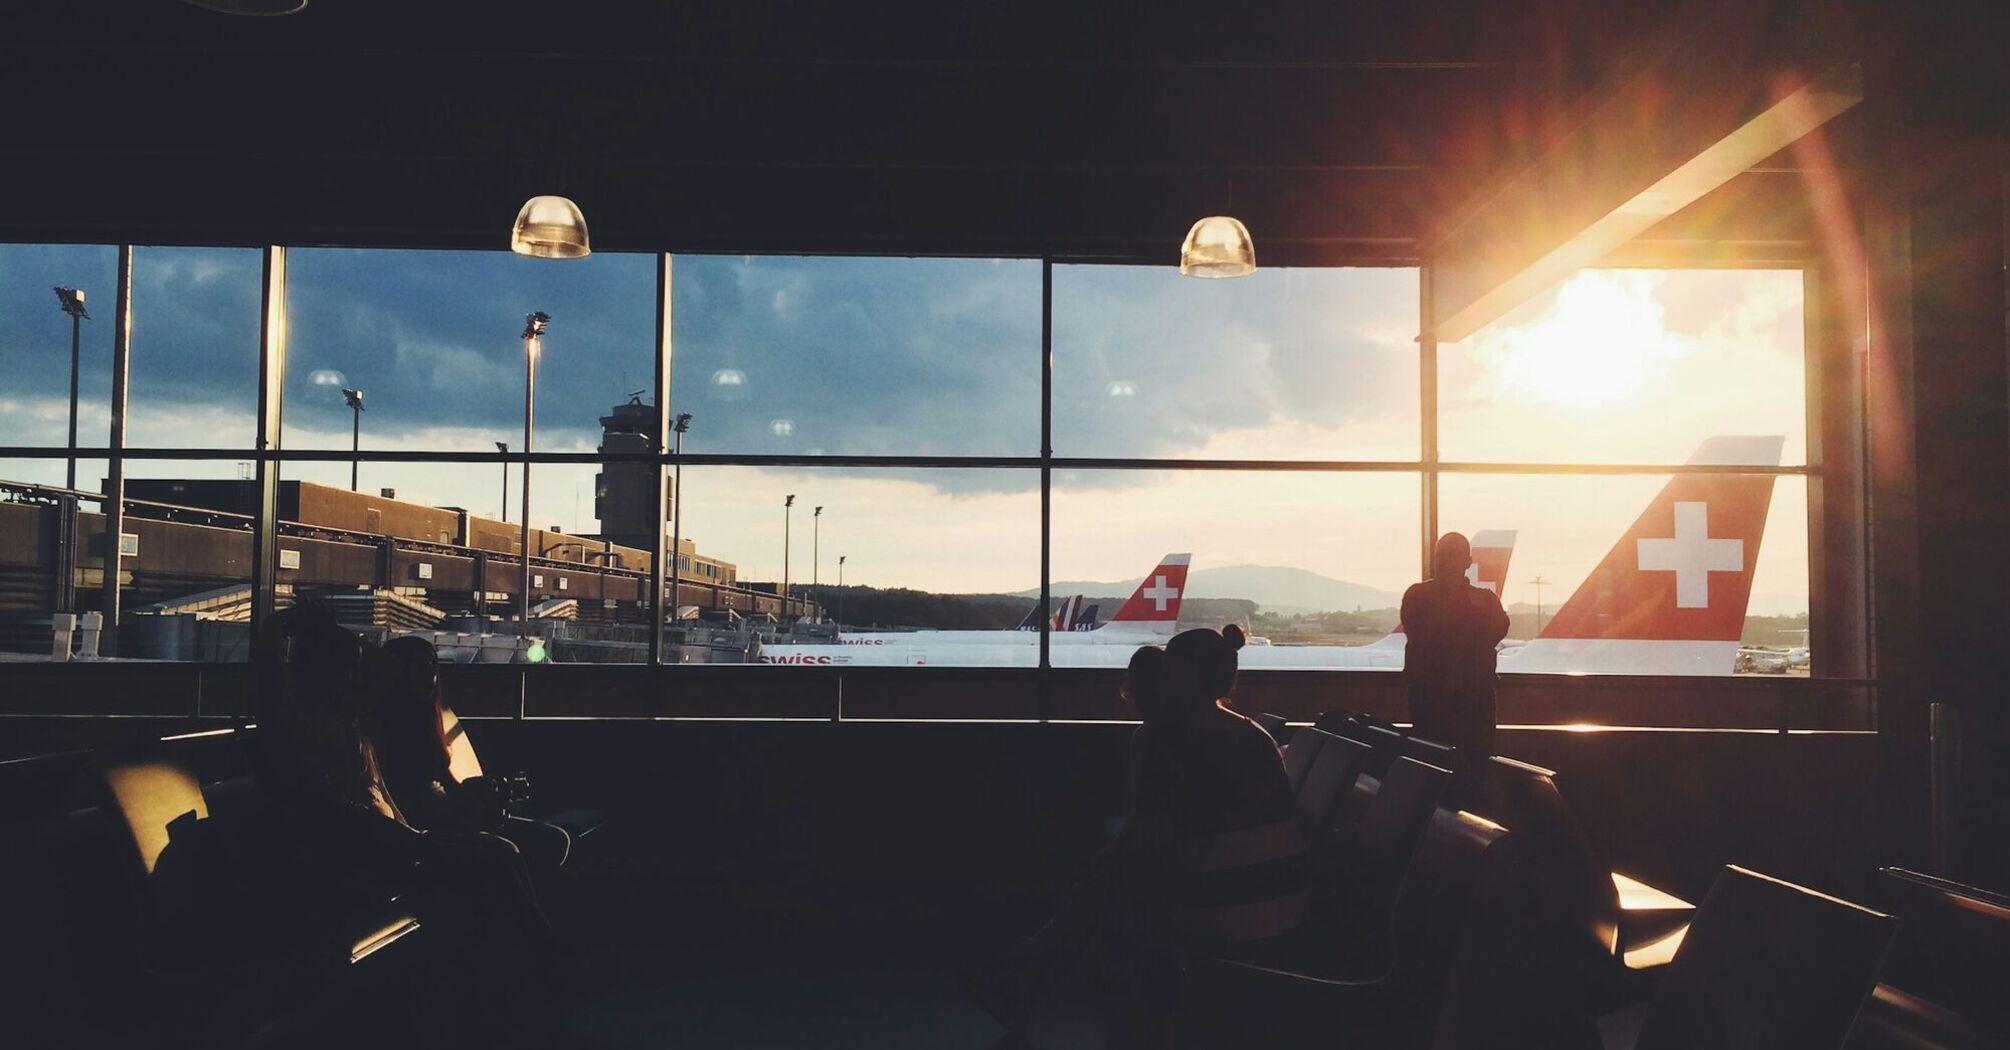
1218 246
550 228
255 8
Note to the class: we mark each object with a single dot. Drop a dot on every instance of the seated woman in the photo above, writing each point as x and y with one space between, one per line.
340 839
1212 784
1210 859
412 750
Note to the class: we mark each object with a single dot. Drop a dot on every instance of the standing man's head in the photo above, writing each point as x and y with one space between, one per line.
1452 556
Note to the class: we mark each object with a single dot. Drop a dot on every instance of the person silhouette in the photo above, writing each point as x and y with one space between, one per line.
1450 630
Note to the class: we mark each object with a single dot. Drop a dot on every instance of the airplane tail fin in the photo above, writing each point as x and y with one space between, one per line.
1670 596
1153 607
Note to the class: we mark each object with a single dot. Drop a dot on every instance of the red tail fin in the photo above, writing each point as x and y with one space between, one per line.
1684 570
1156 602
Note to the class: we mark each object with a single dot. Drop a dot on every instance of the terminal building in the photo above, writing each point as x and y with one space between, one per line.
1690 317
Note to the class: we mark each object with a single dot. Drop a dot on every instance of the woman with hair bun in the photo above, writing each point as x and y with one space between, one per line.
1214 781
1210 860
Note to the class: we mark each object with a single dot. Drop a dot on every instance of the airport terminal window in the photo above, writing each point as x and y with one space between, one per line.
433 340
894 567
1644 585
786 355
35 342
194 370
1630 366
1282 364
925 374
1312 565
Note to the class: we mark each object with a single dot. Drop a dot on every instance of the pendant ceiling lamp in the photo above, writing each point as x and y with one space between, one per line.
1218 246
550 228
254 8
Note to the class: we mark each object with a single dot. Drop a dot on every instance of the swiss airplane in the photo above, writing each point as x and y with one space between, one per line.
1148 618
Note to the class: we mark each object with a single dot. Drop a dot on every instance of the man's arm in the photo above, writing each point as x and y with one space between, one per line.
1496 617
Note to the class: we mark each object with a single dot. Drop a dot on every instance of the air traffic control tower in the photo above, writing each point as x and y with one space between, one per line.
624 494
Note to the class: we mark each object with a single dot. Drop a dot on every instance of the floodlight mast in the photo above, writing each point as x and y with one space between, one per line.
72 302
503 447
677 428
533 337
354 399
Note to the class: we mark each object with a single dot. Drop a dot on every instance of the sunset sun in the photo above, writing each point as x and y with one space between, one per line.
1600 343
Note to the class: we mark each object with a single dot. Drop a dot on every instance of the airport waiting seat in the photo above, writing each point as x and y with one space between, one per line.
1331 777
1943 984
210 920
1389 832
1328 995
1525 798
1767 963
1359 869
1275 725
1300 753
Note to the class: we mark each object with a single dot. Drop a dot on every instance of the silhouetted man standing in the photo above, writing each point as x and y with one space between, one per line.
1450 629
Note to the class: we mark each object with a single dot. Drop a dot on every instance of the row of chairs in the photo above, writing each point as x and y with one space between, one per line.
1506 928
102 857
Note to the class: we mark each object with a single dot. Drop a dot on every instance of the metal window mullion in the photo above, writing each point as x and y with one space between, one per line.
1046 666
1427 416
115 467
271 403
659 443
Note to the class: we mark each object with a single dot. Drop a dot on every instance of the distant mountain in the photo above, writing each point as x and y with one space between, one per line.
1274 588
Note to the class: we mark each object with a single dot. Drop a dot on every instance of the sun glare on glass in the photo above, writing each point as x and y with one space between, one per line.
1601 342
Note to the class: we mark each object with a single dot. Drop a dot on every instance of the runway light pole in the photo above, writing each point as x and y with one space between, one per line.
677 428
787 502
503 447
354 399
72 300
816 558
533 341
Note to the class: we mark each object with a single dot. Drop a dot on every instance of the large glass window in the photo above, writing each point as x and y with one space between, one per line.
1630 366
1702 574
884 567
1283 364
36 333
858 356
1300 391
1311 565
193 379
434 342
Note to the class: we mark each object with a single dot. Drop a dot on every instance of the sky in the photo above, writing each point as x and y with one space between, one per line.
941 357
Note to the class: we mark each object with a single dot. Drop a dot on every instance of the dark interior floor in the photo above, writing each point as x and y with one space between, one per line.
777 963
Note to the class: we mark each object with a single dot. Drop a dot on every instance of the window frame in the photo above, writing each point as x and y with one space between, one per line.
1837 513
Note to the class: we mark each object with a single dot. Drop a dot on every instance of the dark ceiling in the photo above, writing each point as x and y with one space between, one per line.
1341 130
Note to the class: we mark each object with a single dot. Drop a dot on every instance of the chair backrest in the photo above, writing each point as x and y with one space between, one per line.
1525 798
1300 753
1430 752
1402 807
461 760
151 794
1955 945
1767 963
1433 907
1387 742
1332 775
1272 724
